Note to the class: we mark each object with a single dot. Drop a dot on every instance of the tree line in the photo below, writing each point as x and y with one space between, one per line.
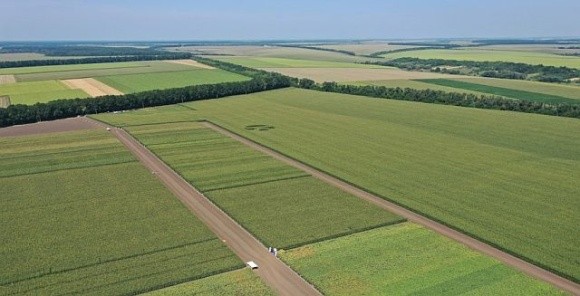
506 70
21 114
350 53
446 98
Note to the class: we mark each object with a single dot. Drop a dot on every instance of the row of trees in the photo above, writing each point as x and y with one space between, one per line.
447 98
21 114
114 59
350 53
506 70
78 50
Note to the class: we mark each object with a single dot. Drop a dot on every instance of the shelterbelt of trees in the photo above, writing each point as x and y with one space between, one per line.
506 70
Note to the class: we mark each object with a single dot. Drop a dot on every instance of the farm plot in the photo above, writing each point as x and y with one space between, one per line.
63 72
507 178
480 55
406 259
104 226
501 91
39 91
562 90
280 205
346 74
92 87
131 83
267 62
238 282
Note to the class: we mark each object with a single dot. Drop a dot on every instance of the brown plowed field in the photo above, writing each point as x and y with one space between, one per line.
91 86
191 63
464 239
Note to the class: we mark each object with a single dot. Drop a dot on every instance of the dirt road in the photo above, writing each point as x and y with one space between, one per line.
464 239
272 271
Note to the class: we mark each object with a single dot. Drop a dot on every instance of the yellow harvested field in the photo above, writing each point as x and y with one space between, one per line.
355 74
7 79
191 63
91 86
4 101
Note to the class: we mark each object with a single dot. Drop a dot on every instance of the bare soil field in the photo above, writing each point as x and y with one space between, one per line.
62 125
191 63
7 79
91 86
4 101
353 74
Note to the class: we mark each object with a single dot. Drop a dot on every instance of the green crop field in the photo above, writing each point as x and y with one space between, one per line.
501 91
91 70
562 90
131 83
40 91
475 54
406 259
508 178
238 282
96 222
416 84
282 206
267 62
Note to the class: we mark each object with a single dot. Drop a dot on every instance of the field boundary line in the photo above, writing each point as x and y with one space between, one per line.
256 183
274 272
456 235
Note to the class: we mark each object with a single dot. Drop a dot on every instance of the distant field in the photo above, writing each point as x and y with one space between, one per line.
416 84
407 259
501 91
40 91
238 282
150 81
11 57
80 215
476 54
277 203
91 70
366 48
562 90
356 74
266 62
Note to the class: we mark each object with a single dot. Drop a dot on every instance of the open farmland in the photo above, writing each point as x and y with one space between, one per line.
81 216
39 91
238 282
131 83
366 48
75 71
562 90
480 55
280 205
507 175
501 91
406 259
266 62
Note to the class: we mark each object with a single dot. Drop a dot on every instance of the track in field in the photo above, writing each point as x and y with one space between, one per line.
464 239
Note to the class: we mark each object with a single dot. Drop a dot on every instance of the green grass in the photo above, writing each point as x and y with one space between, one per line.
508 178
476 54
107 227
501 91
407 259
268 62
277 203
41 91
238 282
143 82
92 70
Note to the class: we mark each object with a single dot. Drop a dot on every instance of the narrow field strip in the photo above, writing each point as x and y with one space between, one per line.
7 79
92 87
501 91
258 183
191 63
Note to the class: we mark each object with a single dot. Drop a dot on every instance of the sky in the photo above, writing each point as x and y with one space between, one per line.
30 20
